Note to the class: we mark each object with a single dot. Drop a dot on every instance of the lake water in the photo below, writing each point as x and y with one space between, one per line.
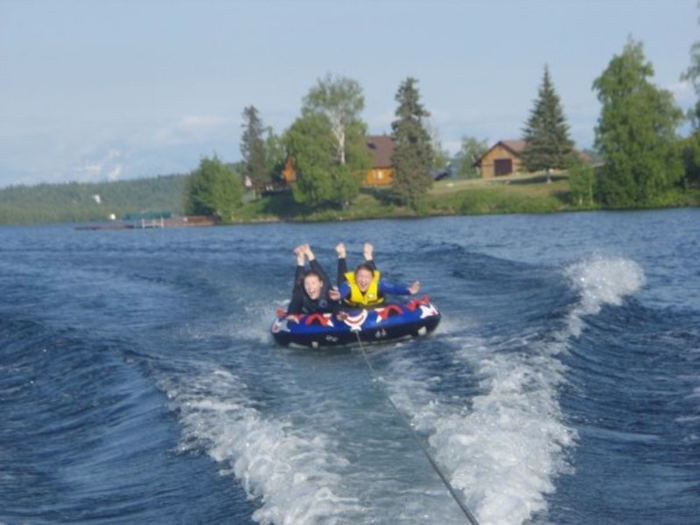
139 382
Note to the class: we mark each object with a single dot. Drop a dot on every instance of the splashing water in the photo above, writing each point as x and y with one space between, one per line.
296 475
505 450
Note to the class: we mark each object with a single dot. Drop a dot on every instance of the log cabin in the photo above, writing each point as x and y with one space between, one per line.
380 173
503 158
381 147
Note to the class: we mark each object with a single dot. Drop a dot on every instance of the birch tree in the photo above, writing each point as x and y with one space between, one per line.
341 101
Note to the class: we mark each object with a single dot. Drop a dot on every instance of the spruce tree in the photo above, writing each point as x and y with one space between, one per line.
253 148
413 151
546 134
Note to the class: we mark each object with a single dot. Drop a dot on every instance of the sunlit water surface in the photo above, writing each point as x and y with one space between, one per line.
139 383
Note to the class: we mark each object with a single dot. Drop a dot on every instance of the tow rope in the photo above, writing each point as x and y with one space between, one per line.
418 440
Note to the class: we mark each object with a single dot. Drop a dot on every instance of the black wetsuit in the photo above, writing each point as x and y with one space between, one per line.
301 303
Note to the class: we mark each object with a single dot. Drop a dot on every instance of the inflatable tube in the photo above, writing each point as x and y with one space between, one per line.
388 322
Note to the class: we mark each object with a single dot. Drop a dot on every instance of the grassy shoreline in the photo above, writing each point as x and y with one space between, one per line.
522 193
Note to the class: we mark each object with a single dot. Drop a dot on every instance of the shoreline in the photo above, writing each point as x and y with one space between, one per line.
513 194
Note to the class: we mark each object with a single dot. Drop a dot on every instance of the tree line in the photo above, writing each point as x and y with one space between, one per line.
327 143
642 157
85 202
643 161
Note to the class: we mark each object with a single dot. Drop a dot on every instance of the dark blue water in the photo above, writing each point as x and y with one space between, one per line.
139 384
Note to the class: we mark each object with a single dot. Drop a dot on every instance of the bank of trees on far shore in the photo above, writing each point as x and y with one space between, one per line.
643 160
327 143
85 202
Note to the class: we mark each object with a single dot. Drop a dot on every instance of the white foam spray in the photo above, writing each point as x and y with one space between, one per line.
504 448
599 281
296 476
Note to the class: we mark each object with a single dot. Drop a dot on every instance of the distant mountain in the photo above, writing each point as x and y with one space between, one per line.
86 202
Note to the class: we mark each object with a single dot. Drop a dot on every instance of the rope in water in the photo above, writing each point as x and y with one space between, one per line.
420 442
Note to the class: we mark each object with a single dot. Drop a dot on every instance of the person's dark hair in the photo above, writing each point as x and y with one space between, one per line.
312 272
364 266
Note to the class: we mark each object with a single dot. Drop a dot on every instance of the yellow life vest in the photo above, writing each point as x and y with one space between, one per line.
370 297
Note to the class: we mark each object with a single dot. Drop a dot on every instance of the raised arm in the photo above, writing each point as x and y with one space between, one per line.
316 266
368 254
299 275
342 263
296 301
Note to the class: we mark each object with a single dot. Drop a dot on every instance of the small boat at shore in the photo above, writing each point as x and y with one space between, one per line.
389 322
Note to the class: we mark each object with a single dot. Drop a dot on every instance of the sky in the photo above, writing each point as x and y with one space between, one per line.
92 91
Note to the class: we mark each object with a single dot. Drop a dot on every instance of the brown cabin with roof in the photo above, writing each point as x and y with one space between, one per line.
381 147
289 174
381 173
503 158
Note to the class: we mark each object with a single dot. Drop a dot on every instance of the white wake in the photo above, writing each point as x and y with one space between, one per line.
294 474
504 447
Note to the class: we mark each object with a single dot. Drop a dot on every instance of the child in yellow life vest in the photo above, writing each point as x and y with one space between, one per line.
364 288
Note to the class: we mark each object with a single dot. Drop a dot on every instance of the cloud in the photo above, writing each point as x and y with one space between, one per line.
124 152
191 128
115 172
683 92
202 121
101 166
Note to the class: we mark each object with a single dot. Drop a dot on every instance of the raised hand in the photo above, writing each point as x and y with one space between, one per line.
299 251
309 254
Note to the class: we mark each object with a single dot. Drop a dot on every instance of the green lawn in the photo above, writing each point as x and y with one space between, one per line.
512 194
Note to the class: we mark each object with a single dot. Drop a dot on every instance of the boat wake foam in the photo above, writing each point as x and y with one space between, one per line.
296 477
505 446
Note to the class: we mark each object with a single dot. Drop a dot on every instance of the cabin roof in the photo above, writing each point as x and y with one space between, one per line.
382 148
515 146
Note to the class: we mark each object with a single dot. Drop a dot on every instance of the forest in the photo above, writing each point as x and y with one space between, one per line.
77 202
